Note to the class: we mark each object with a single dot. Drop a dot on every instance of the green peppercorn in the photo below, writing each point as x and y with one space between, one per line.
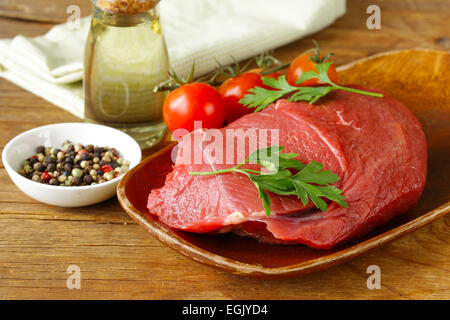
84 164
108 176
106 158
77 172
78 147
27 169
108 154
60 155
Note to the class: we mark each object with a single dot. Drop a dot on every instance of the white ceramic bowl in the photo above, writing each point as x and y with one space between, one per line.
24 146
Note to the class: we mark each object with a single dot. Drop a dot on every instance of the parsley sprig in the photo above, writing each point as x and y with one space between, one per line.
286 176
260 98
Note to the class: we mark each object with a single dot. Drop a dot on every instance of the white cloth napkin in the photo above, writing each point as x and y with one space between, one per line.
51 66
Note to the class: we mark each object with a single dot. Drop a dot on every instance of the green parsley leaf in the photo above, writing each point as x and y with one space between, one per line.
260 98
310 182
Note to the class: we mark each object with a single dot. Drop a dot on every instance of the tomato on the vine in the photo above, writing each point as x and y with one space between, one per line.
307 62
193 102
234 89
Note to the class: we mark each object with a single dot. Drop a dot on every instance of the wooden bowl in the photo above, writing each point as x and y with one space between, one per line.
418 78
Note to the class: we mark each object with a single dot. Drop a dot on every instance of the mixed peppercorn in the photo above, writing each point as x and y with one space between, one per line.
74 165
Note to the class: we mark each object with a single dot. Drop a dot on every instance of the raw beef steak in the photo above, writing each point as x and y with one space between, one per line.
376 146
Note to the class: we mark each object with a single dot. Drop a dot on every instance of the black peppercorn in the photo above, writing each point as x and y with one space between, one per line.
87 179
85 156
39 167
68 167
90 148
48 160
114 165
76 181
98 150
40 149
51 167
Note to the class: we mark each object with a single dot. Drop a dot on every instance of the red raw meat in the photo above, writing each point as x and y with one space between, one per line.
376 146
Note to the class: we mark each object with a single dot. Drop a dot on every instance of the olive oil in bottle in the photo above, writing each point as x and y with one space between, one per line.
125 59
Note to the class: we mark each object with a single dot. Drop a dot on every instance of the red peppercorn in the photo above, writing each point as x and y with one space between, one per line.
34 157
45 176
106 168
82 151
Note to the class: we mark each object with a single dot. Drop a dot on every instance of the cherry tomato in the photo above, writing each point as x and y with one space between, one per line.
193 102
234 89
306 62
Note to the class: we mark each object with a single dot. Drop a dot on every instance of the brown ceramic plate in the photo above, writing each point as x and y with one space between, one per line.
420 79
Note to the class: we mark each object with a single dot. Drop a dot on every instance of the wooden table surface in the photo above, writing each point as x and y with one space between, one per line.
119 260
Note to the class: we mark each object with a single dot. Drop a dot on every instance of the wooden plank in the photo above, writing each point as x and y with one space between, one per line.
122 261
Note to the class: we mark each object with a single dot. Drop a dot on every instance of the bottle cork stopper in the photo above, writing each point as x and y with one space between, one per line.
126 6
